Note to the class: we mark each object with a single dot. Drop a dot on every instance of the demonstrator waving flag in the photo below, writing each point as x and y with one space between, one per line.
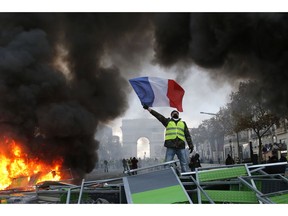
158 92
153 92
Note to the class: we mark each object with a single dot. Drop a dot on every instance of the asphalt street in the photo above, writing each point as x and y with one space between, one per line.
99 174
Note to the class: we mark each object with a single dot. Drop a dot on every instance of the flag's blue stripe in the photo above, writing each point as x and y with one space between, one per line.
143 89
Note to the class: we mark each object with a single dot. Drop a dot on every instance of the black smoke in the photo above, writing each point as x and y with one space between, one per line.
236 46
55 113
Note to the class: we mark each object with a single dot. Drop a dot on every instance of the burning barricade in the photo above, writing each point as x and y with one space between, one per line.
21 171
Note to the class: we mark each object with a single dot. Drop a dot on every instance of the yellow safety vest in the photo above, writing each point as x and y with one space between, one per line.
174 130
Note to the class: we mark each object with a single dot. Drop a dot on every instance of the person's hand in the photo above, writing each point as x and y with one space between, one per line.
191 148
145 106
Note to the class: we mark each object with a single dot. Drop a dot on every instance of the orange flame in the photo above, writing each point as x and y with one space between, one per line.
18 169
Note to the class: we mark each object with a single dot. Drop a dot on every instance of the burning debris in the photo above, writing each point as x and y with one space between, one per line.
20 170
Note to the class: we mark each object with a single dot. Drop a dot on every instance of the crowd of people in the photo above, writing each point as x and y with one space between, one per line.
130 164
194 161
126 163
276 169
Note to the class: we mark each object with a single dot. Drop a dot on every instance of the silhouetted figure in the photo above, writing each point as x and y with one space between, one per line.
105 166
277 169
283 159
229 160
130 163
139 162
283 167
125 164
273 159
134 162
194 162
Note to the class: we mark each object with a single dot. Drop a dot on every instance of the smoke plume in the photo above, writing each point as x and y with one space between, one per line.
54 90
236 46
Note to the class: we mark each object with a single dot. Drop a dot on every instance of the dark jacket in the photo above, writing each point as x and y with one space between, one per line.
134 162
229 160
195 162
175 143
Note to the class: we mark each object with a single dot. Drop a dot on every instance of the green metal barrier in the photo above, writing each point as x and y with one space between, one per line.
159 187
229 196
224 177
223 173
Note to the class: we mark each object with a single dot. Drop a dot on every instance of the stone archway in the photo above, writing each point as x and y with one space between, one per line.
134 129
143 148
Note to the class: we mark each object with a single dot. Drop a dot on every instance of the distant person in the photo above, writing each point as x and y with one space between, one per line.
124 164
273 159
105 166
129 163
277 169
194 162
283 158
134 162
177 134
283 167
139 162
229 160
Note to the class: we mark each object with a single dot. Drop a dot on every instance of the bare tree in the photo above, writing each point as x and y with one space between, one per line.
249 111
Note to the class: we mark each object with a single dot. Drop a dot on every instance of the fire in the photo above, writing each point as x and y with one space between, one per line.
18 169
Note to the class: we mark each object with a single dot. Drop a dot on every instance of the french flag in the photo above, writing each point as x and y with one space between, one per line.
158 92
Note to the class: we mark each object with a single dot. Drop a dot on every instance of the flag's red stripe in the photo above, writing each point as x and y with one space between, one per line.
175 94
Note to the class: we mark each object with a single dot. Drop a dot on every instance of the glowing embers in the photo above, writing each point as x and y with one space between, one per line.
18 169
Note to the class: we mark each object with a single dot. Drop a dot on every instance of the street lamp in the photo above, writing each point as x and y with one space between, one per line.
230 142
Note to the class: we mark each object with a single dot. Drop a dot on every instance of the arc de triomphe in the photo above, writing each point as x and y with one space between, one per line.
151 129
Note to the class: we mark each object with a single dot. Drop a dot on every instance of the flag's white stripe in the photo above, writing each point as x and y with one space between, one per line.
160 89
